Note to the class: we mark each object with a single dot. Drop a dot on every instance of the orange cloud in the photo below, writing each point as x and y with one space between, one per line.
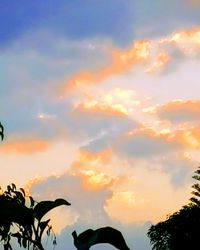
153 52
188 106
25 147
189 137
102 108
181 137
89 160
93 169
160 62
93 179
122 60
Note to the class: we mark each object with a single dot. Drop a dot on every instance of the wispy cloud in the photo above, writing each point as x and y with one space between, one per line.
30 146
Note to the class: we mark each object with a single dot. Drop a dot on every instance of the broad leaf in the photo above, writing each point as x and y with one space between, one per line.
44 207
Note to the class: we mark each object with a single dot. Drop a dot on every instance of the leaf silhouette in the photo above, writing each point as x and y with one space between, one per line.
1 131
44 207
14 212
91 237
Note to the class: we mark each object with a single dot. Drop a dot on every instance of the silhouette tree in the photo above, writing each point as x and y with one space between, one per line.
90 237
21 218
181 229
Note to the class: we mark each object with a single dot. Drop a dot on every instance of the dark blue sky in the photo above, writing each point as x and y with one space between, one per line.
73 19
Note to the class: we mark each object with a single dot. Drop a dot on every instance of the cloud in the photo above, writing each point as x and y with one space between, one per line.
122 60
25 147
138 199
146 142
158 54
189 137
87 201
179 111
95 122
95 107
160 63
117 102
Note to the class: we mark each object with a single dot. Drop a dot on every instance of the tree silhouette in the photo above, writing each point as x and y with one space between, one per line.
181 229
90 237
21 218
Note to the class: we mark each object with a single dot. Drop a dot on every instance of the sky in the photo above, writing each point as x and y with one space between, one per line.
100 100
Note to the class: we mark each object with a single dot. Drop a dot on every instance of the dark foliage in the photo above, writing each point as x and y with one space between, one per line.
1 131
181 230
90 237
21 218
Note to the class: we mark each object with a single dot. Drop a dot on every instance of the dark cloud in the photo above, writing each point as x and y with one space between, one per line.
180 111
145 143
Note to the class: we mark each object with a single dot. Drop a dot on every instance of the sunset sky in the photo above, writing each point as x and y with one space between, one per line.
100 100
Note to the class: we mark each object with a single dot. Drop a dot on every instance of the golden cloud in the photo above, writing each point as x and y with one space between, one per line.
118 102
102 108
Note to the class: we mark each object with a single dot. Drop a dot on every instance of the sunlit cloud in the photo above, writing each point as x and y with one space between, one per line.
95 107
122 60
187 41
156 53
189 137
160 63
119 102
139 201
83 190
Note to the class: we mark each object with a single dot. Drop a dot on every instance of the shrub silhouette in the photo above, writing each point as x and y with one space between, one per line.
181 229
22 219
